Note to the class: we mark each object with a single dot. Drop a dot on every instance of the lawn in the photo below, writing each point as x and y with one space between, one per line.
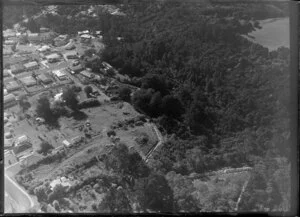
223 186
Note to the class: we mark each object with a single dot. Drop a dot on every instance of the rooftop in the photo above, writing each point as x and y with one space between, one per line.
31 64
59 73
28 81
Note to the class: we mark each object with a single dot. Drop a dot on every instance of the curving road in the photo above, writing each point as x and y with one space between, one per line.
17 200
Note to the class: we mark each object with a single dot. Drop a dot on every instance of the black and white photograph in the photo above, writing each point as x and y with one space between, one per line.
147 107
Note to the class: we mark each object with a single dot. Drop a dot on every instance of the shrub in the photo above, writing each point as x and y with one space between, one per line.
88 103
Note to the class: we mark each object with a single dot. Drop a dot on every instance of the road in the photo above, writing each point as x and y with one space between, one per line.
18 200
160 141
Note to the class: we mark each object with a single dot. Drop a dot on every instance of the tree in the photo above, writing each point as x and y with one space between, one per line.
43 108
124 93
171 106
89 52
88 90
58 192
156 103
70 98
40 192
45 148
154 193
56 205
115 201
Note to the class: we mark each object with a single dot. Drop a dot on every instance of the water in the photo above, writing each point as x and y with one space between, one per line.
273 34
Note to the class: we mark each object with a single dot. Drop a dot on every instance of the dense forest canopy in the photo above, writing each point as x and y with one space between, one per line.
221 100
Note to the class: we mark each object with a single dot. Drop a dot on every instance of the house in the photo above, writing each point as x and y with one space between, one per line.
22 149
9 42
5 73
45 78
8 33
60 74
61 40
76 67
5 92
87 74
17 68
85 38
44 29
7 50
71 55
44 48
66 143
54 57
9 158
60 181
31 65
28 81
12 86
34 38
48 37
58 97
9 100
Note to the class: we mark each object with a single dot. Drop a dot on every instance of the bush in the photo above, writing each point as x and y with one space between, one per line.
89 103
45 148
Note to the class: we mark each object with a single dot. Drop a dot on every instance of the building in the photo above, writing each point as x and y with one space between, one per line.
44 29
45 78
60 181
85 38
71 55
87 74
12 86
76 67
66 143
31 65
9 100
61 40
44 48
9 42
9 158
34 38
28 81
60 74
54 57
5 73
8 33
17 68
48 37
22 149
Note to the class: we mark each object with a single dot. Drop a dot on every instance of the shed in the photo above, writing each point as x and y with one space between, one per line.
66 143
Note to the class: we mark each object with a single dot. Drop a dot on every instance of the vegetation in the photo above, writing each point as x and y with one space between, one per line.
220 100
45 148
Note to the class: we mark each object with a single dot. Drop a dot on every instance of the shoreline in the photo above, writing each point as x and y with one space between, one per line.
260 35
